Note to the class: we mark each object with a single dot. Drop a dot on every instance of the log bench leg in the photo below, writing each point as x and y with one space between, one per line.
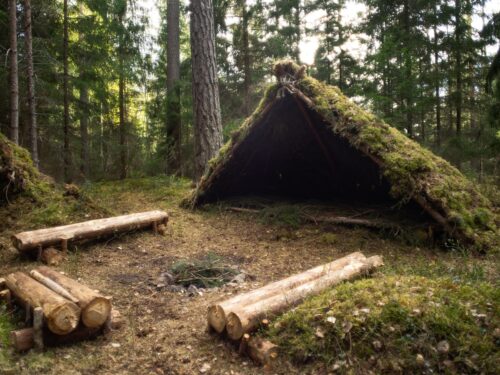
64 246
39 253
37 328
155 227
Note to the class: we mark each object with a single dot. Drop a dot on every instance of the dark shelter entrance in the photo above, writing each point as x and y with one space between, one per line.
293 153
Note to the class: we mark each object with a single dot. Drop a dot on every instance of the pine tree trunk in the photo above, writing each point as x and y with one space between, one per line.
207 116
84 119
66 151
31 83
408 70
121 105
247 69
14 79
458 67
437 82
173 88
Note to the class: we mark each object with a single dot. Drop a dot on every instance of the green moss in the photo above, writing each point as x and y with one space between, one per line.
384 322
409 168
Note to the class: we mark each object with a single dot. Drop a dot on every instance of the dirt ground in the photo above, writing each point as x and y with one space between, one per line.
166 331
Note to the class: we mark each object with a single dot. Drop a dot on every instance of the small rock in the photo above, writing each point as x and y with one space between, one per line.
420 360
319 333
205 368
167 278
496 333
176 288
239 278
331 319
347 326
192 290
115 345
365 311
443 347
377 345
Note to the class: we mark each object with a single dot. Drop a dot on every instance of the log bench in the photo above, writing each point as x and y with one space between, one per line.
60 236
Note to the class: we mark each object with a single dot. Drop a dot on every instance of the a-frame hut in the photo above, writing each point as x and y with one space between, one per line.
307 139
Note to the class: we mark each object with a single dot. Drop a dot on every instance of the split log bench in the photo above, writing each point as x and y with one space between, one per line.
241 315
30 241
62 310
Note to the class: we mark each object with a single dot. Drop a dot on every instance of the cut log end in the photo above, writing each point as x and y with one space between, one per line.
217 318
96 312
234 327
64 319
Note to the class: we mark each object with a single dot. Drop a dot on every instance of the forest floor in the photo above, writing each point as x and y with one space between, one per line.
166 331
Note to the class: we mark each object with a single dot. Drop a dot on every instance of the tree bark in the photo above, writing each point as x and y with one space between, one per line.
95 308
173 88
207 116
217 314
66 150
26 241
458 67
247 60
247 318
14 75
62 316
31 83
121 99
84 121
437 80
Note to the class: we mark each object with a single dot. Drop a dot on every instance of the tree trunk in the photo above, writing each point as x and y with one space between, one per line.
95 308
173 88
247 69
26 241
14 78
408 70
217 314
31 83
207 116
458 67
62 316
247 318
437 82
66 150
121 99
84 120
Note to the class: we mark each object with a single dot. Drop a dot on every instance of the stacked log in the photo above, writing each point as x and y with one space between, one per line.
61 315
243 314
63 309
95 308
217 314
42 238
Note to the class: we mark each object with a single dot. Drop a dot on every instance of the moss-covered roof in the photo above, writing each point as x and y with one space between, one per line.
413 172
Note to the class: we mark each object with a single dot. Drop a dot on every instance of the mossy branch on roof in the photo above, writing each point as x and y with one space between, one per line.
410 168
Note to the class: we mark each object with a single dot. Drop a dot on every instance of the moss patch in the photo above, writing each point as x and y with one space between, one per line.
385 323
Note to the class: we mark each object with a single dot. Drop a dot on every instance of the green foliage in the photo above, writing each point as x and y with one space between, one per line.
208 272
282 215
383 323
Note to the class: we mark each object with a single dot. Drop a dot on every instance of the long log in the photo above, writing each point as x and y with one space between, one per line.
217 314
349 221
95 307
62 316
248 317
26 241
